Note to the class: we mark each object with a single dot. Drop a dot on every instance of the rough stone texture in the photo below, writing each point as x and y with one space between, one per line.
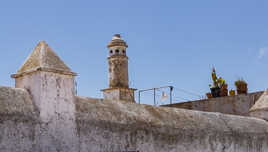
43 57
50 84
235 105
118 72
112 126
260 108
16 102
117 41
125 94
44 115
262 114
262 102
18 119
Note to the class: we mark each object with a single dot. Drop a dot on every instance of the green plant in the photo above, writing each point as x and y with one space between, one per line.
219 87
232 92
240 82
241 86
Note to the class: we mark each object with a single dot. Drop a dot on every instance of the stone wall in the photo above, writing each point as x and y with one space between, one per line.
118 71
235 105
53 97
18 119
119 126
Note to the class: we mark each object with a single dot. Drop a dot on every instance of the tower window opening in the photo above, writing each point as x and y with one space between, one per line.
117 51
124 51
111 51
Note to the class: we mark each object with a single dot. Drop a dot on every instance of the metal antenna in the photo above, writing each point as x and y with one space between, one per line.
75 88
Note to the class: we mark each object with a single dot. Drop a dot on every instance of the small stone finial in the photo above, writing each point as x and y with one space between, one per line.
42 42
117 41
116 37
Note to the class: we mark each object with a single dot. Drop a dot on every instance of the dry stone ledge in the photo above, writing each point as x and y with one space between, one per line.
122 125
117 126
16 102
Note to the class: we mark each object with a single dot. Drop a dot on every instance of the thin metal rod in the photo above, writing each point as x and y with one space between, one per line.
75 88
154 89
154 96
139 97
171 89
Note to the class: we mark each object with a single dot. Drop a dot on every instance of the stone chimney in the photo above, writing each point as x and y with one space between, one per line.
51 85
118 72
260 108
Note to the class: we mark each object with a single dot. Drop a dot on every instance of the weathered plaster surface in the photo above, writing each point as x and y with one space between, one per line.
235 105
125 94
16 102
53 96
57 113
18 119
111 94
118 71
112 125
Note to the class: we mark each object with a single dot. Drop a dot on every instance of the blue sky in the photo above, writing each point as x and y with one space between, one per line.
170 42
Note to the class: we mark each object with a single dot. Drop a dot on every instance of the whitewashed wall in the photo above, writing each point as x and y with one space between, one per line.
95 125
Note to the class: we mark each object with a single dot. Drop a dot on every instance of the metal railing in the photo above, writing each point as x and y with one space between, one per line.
154 90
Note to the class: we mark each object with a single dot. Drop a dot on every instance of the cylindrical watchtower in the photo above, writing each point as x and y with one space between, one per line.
118 72
118 63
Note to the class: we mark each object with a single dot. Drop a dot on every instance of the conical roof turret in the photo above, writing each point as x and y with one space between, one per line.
43 58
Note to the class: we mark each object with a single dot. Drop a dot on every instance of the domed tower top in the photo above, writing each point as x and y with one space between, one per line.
117 46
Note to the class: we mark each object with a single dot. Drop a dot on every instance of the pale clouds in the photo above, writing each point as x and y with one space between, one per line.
262 52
